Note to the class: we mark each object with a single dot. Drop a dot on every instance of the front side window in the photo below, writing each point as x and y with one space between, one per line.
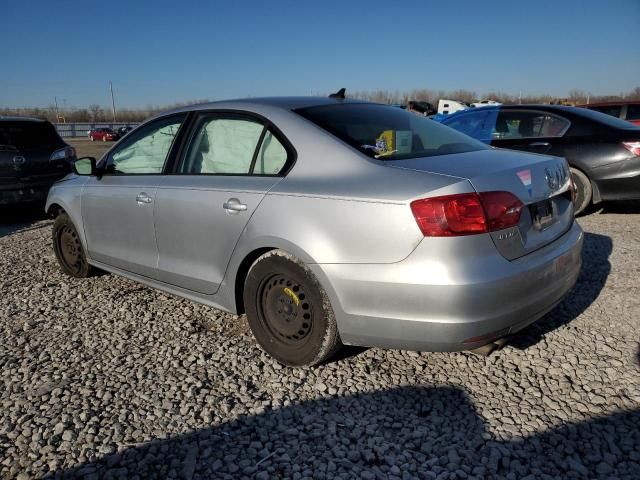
146 151
389 133
514 124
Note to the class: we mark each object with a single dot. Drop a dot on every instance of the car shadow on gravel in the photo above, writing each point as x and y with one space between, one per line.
629 206
593 276
422 431
19 218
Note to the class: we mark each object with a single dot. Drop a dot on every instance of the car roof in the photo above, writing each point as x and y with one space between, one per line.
16 118
285 103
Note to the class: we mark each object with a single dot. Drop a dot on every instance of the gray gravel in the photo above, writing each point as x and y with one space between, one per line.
104 378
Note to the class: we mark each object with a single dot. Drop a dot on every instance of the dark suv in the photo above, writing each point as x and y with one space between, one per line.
32 158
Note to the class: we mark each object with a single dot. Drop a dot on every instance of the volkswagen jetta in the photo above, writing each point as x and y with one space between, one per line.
328 222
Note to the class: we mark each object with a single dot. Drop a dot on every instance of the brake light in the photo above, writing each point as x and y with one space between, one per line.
466 213
502 209
633 147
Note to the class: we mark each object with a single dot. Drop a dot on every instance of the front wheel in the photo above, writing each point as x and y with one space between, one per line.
289 312
583 191
68 248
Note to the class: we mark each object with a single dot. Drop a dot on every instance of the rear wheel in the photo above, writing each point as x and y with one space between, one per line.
583 192
288 311
68 248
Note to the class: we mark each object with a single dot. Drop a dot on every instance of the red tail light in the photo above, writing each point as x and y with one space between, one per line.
633 147
466 213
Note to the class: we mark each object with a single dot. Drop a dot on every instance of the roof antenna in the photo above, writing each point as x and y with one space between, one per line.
339 94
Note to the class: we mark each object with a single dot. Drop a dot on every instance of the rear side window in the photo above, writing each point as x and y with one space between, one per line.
514 124
633 112
389 133
25 135
232 145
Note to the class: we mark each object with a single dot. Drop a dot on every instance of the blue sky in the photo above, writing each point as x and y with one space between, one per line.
160 52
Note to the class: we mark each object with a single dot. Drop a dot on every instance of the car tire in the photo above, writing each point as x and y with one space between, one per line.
583 191
289 312
68 248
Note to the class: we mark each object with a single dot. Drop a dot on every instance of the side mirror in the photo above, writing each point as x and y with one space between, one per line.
85 166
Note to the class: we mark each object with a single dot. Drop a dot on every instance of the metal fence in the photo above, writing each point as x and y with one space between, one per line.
70 130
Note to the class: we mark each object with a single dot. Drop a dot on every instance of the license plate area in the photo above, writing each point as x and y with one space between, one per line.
543 214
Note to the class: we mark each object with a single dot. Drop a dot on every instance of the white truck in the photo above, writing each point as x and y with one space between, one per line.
445 107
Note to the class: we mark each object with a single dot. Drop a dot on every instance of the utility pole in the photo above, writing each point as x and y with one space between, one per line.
55 99
113 102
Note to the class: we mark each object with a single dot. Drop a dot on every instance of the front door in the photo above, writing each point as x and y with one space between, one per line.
118 207
203 208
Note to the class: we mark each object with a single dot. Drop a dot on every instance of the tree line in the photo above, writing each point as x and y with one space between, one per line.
99 113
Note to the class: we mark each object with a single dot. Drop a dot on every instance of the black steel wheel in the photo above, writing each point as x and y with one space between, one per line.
68 248
289 312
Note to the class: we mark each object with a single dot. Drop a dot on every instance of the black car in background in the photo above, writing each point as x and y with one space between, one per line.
603 151
122 131
32 158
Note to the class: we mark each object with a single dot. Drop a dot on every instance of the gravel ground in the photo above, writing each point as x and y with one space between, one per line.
104 378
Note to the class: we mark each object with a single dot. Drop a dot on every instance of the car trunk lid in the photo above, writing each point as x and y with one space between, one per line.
541 183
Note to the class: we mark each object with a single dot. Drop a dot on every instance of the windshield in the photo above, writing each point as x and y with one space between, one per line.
24 135
388 133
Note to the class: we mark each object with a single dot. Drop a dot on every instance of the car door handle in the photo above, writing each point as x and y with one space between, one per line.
234 205
143 198
539 144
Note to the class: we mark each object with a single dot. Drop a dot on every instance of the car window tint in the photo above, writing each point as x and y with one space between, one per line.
271 158
389 133
222 145
613 110
146 151
524 124
633 112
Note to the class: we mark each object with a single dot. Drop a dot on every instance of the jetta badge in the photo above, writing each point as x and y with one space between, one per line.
19 160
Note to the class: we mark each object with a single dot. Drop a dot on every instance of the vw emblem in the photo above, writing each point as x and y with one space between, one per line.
555 178
19 160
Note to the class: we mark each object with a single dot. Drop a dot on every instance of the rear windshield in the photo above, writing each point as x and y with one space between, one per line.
25 135
388 133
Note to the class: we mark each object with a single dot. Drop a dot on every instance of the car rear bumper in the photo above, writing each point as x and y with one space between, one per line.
24 193
462 298
619 180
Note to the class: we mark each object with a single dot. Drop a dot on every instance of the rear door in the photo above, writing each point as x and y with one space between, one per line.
117 208
230 162
529 130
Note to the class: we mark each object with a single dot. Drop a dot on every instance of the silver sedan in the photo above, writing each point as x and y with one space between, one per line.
328 222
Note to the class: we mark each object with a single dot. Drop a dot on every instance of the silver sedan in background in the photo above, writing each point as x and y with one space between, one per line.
328 222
